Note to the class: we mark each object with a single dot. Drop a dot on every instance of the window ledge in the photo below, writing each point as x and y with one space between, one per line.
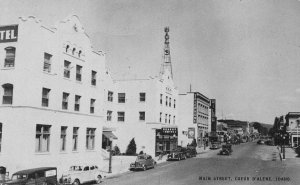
90 150
67 79
63 152
79 82
49 73
42 153
7 68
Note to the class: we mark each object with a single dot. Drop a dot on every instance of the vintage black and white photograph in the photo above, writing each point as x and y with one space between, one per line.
149 92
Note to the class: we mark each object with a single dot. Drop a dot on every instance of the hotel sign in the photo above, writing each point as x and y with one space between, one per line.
8 33
195 109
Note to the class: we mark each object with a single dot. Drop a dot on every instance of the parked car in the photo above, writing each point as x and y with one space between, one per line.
177 154
260 142
226 149
191 151
143 162
34 176
80 174
215 145
4 175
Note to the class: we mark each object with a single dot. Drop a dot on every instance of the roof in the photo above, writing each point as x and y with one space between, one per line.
32 170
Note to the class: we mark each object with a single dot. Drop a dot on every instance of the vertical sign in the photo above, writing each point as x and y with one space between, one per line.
213 115
195 108
8 33
191 133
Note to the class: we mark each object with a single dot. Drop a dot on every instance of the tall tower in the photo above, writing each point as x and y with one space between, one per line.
166 63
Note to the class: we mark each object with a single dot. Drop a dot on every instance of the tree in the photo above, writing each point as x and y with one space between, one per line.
116 150
131 148
194 143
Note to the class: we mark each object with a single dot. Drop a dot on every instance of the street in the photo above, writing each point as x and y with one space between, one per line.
249 163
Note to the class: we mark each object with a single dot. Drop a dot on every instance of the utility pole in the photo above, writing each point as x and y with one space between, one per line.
110 157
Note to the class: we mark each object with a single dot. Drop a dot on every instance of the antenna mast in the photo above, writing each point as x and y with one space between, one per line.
166 63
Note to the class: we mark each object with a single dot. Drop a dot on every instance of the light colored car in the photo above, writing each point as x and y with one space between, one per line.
81 174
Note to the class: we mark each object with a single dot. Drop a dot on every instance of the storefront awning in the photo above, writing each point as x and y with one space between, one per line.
109 135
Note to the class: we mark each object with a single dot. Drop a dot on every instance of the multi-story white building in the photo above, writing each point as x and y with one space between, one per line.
51 109
146 110
193 118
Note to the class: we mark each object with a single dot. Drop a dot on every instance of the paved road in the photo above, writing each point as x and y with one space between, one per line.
249 164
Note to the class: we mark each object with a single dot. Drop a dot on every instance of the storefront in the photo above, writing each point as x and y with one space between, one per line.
166 140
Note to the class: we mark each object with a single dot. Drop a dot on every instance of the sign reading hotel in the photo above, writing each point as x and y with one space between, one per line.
8 33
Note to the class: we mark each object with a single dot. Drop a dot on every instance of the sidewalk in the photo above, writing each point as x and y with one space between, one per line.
289 153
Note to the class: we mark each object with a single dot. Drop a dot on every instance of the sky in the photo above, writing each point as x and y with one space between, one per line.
243 53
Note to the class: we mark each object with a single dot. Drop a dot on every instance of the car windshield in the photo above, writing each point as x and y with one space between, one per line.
75 168
19 177
141 157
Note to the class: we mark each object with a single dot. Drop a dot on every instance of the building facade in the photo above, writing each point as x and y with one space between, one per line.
292 125
51 109
193 118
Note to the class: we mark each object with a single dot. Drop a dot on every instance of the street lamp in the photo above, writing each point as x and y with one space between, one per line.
283 147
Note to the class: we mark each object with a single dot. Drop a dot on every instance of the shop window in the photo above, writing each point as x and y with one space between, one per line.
92 106
47 62
10 57
63 138
8 94
109 114
90 138
121 97
45 97
42 138
93 79
77 103
142 116
65 100
110 96
121 116
75 138
67 68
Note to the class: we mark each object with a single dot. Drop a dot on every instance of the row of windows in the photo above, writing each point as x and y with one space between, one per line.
65 101
122 97
168 103
167 118
203 117
121 116
201 105
73 51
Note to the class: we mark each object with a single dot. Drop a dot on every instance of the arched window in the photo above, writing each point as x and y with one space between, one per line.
73 51
8 94
79 53
10 57
67 48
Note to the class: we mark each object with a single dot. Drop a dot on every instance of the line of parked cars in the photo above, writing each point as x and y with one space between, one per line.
76 175
181 153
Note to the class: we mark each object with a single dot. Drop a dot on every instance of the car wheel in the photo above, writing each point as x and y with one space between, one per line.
99 179
144 168
76 182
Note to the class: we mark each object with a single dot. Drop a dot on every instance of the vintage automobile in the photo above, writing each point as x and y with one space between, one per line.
80 174
143 162
191 151
4 175
178 154
34 176
260 142
226 149
215 145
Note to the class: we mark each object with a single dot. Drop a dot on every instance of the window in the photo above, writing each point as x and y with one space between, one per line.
166 118
174 103
67 48
121 116
63 137
109 114
121 97
142 97
77 103
166 100
90 138
110 96
45 97
0 136
92 106
78 72
10 57
160 116
79 53
73 51
65 101
42 138
170 102
47 62
67 66
75 138
8 94
161 96
93 80
173 119
142 116
169 118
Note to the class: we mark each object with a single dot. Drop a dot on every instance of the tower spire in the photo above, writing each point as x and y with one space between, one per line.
166 63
